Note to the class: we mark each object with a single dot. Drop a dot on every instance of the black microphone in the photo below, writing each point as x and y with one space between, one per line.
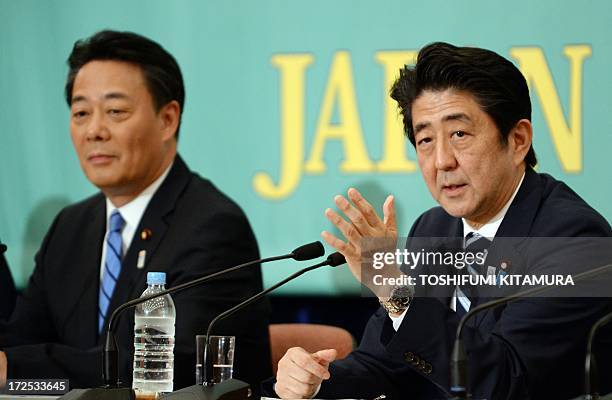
459 367
110 352
308 251
333 260
2 248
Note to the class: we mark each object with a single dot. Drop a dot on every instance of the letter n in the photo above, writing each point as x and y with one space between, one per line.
566 133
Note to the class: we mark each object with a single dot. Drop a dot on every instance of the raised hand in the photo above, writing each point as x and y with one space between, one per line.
361 223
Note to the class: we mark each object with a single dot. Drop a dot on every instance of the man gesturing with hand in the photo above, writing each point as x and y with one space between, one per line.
363 224
300 373
467 112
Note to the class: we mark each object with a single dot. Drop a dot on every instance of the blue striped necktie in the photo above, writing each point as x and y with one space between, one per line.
112 266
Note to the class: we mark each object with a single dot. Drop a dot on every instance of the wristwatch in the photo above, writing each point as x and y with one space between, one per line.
399 301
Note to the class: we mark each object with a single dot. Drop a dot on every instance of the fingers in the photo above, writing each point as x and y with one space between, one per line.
365 208
306 362
350 252
350 232
355 216
326 356
362 219
336 243
363 222
390 219
289 388
285 392
300 373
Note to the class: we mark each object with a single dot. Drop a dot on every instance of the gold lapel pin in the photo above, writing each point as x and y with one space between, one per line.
146 234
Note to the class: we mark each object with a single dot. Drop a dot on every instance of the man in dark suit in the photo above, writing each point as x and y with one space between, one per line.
126 96
7 287
467 112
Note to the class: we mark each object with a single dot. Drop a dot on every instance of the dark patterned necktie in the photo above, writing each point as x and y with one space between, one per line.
474 243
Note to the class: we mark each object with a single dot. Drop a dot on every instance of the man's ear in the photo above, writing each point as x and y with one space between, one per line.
519 140
170 115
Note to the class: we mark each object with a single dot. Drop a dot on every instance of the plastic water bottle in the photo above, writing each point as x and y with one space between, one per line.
154 340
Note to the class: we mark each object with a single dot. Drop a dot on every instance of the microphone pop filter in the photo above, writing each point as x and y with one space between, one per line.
308 251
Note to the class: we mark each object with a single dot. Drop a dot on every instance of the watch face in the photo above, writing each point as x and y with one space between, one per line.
402 292
401 297
401 303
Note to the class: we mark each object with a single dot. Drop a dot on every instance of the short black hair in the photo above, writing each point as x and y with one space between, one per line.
161 71
497 85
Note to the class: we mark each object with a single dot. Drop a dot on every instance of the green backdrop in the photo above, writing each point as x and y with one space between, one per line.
286 104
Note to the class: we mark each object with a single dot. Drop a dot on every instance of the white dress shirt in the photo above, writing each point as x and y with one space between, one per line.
132 214
488 230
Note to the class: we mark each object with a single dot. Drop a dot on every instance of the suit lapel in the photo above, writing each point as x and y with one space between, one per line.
450 241
149 234
516 224
519 218
82 287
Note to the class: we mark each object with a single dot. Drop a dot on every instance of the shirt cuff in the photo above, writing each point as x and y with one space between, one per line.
397 321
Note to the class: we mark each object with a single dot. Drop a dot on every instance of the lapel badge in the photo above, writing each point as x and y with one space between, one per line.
146 234
142 254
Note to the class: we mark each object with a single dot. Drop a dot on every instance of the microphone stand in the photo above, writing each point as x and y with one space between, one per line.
234 389
591 388
333 260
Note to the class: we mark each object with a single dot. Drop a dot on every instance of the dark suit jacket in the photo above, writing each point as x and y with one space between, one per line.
196 230
532 348
7 290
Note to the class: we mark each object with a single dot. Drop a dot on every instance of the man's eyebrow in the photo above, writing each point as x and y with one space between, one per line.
116 95
457 117
451 117
108 96
420 126
77 99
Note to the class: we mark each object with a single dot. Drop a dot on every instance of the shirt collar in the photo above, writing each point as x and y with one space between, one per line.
489 230
132 212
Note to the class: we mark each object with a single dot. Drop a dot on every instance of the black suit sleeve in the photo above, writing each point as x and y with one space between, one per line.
7 290
31 309
372 370
30 339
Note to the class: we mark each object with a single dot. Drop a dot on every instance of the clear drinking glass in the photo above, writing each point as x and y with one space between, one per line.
222 353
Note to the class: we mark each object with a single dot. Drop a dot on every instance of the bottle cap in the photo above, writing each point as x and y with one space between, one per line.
156 278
